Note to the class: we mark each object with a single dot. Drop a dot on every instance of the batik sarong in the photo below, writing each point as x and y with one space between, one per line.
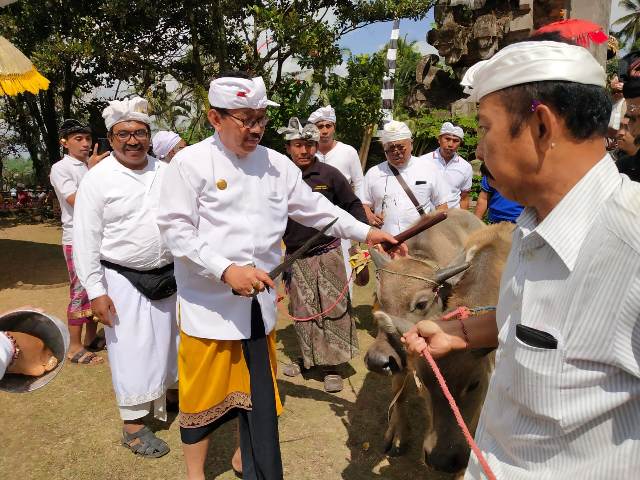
79 309
314 285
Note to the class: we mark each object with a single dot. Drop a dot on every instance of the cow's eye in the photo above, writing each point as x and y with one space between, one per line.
422 305
473 386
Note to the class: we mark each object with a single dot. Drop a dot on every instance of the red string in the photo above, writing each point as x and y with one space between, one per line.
335 304
456 413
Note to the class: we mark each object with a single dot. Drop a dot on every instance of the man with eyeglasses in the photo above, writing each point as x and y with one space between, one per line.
456 170
630 163
224 209
128 272
389 186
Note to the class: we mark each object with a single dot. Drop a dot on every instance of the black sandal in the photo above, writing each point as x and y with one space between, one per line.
149 446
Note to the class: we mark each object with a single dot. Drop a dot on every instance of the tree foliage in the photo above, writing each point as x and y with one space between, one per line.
630 23
168 50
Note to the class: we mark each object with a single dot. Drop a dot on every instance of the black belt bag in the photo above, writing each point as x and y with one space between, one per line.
154 284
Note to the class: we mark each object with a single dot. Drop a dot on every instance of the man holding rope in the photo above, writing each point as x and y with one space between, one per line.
317 282
564 400
225 205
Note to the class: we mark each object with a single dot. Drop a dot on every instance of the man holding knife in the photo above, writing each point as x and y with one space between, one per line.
224 208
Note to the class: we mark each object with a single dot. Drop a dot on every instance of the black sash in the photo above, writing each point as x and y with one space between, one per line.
406 189
155 284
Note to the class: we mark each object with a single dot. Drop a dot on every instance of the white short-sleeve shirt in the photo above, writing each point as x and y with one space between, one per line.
385 195
65 178
345 158
457 172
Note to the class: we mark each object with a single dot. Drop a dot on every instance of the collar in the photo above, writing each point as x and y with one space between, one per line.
74 160
404 167
314 169
439 156
566 227
152 164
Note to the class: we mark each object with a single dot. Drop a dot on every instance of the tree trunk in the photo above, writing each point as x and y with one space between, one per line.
364 146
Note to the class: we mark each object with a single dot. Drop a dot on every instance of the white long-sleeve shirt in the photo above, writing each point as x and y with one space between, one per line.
217 209
345 158
114 220
570 412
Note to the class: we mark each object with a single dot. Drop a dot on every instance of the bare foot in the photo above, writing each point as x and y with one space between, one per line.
236 461
34 359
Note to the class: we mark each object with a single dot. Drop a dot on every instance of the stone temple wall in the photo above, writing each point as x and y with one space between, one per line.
471 30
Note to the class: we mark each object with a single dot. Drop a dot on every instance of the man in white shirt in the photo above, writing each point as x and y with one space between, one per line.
455 169
564 400
225 206
65 176
166 144
128 272
385 199
341 156
337 154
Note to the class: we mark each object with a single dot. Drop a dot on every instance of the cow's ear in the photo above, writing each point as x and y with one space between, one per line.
443 295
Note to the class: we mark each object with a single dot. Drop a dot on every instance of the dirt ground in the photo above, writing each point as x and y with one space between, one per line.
70 429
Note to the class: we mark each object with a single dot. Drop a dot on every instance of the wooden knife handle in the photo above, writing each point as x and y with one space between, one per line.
421 226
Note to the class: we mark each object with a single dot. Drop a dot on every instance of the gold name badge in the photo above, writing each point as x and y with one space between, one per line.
221 184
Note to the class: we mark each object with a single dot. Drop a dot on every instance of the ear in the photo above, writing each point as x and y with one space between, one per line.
63 142
215 119
544 128
286 145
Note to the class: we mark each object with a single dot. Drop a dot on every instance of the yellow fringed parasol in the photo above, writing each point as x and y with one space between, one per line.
17 73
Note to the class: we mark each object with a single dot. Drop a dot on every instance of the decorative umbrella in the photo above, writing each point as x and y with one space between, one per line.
17 73
580 31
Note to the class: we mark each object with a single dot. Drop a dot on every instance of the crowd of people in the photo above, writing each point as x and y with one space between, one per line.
172 253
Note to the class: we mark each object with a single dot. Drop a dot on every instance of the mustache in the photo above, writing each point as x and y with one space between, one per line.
132 148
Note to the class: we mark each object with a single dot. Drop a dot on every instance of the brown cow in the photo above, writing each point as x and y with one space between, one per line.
412 289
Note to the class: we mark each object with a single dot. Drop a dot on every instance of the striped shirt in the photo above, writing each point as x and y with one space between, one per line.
571 412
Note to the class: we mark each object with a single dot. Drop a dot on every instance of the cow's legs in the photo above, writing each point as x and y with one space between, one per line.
397 434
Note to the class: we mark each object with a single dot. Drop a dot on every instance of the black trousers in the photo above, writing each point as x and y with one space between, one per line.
259 438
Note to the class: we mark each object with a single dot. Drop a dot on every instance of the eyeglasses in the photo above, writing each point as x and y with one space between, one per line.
249 123
395 148
124 135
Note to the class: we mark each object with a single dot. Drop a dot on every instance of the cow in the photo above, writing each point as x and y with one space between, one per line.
425 291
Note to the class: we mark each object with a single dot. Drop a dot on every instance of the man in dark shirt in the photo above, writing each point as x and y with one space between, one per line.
629 162
317 284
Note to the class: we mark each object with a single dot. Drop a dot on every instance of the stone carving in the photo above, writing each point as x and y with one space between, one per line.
471 30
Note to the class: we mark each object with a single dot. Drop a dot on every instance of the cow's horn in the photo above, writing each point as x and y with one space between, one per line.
379 259
447 273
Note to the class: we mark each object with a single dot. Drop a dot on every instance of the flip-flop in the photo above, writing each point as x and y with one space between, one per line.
333 383
85 357
291 369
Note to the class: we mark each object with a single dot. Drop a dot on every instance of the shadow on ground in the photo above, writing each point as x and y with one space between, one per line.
31 263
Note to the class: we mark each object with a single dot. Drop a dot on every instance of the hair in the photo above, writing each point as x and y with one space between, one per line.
585 109
71 126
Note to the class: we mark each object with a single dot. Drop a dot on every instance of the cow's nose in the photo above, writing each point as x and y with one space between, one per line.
450 461
383 364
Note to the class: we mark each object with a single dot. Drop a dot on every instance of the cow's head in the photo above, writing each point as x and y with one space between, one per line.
409 290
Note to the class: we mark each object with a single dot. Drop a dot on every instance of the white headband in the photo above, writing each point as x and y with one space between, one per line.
328 114
394 131
234 92
163 142
532 61
135 108
451 129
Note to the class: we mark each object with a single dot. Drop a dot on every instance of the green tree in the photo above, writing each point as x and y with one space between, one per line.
630 23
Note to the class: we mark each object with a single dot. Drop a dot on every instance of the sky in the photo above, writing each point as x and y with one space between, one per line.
373 37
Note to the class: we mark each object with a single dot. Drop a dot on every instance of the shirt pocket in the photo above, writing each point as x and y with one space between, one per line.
536 384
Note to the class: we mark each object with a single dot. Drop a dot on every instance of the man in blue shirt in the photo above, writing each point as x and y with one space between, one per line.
500 208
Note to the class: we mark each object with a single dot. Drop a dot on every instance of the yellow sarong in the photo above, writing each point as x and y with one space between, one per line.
215 379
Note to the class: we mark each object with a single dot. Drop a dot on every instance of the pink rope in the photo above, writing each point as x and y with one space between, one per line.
456 412
313 317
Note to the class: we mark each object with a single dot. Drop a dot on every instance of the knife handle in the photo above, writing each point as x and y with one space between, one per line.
421 226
